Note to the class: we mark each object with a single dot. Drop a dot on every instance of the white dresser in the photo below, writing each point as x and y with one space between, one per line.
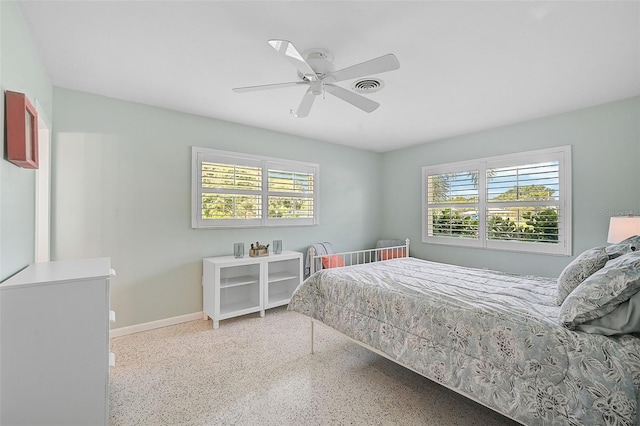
54 344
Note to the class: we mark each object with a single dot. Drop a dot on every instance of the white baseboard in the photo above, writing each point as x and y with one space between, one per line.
123 331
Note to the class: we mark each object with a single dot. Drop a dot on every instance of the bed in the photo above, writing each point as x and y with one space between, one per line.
503 340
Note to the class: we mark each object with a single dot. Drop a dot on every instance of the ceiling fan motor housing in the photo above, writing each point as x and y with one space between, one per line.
320 60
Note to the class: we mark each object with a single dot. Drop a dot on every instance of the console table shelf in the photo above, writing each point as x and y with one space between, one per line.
239 286
282 276
236 281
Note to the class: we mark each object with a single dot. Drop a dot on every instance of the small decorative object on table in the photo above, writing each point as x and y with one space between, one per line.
258 249
238 250
277 246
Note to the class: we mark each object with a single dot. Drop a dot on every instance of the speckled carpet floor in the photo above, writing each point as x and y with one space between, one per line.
258 371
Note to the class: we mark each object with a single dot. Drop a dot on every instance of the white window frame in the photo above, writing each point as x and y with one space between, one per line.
198 155
561 154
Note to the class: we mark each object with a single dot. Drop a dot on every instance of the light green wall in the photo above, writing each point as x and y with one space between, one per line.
22 71
605 144
122 188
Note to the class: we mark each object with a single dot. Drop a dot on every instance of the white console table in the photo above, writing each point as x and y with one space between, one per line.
54 344
239 286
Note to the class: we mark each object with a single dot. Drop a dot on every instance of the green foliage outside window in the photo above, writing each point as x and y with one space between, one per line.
227 206
538 226
534 226
509 223
452 223
226 177
290 207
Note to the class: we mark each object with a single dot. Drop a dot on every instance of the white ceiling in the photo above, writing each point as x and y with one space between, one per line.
464 66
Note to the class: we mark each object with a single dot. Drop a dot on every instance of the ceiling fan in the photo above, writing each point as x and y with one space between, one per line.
315 70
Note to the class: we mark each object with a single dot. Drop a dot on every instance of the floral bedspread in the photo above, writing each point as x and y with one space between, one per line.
491 336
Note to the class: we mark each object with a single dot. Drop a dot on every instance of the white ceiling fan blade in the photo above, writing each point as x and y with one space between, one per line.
354 99
305 105
287 49
384 63
267 86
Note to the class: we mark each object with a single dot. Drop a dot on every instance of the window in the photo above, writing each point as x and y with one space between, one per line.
518 202
241 190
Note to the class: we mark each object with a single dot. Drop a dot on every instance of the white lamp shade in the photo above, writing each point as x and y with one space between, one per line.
623 227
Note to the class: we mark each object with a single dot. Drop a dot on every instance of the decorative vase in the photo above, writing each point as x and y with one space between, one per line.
277 246
238 250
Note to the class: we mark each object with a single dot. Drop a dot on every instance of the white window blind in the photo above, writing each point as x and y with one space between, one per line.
290 192
523 202
231 191
453 204
241 190
518 202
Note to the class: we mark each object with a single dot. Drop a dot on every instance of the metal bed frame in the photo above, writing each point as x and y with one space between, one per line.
359 257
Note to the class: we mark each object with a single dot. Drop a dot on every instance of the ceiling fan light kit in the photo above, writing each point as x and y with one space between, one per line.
315 70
